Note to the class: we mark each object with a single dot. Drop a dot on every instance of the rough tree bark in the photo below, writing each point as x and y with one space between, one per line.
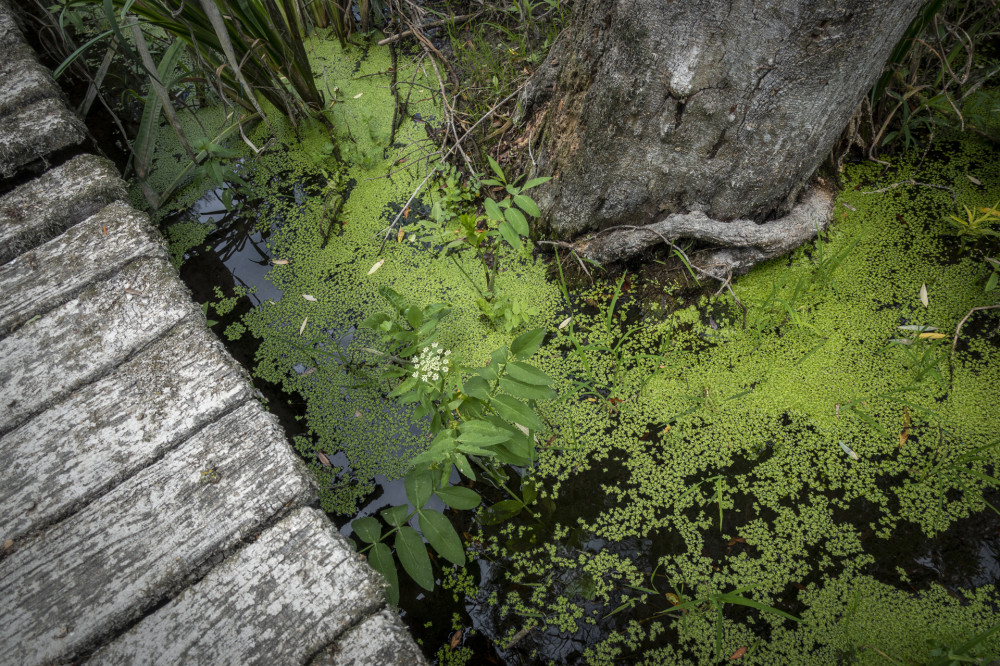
691 115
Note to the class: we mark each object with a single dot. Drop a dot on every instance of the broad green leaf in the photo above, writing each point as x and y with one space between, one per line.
489 373
527 204
380 557
482 433
471 408
413 316
517 220
520 446
496 169
535 182
730 598
419 486
462 463
527 374
516 411
408 384
498 355
396 515
373 321
439 531
367 529
500 512
527 343
492 209
413 556
459 497
473 450
526 391
477 387
510 235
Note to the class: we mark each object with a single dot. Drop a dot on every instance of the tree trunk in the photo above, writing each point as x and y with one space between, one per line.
652 110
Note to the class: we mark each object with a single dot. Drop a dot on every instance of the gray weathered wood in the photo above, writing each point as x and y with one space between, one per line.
35 132
92 250
88 336
278 601
23 79
81 447
87 577
381 639
45 207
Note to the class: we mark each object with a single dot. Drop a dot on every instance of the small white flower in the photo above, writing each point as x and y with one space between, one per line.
416 375
434 345
447 352
434 376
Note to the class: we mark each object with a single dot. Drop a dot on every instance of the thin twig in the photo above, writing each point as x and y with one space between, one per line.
392 39
910 181
450 151
954 341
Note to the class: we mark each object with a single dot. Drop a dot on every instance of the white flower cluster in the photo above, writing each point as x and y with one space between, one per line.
432 364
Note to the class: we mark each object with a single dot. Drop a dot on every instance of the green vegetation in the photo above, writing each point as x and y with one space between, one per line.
643 472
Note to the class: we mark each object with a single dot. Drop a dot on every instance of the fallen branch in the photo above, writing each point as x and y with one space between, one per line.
392 39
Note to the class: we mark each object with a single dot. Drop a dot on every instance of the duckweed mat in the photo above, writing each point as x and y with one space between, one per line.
811 480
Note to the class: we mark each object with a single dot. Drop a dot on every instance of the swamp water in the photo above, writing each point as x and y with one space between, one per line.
792 489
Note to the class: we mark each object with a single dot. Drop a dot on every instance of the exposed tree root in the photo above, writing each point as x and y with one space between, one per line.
745 242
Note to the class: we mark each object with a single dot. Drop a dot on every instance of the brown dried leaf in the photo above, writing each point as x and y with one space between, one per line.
932 336
400 235
323 460
739 653
456 638
280 262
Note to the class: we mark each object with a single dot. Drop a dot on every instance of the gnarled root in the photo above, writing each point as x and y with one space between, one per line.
744 242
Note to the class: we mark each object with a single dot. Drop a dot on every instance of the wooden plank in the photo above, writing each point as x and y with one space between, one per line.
278 601
80 448
87 337
86 578
23 79
381 639
36 131
45 207
92 250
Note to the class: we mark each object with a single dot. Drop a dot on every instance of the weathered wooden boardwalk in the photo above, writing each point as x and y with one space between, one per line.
151 511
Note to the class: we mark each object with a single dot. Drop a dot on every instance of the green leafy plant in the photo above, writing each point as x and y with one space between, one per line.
976 223
484 416
922 351
456 229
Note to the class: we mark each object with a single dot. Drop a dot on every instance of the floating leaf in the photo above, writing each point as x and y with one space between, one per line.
923 295
358 95
932 336
302 328
456 638
441 534
673 598
565 322
413 556
739 653
849 451
380 557
974 180
323 460
310 298
280 262
378 265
